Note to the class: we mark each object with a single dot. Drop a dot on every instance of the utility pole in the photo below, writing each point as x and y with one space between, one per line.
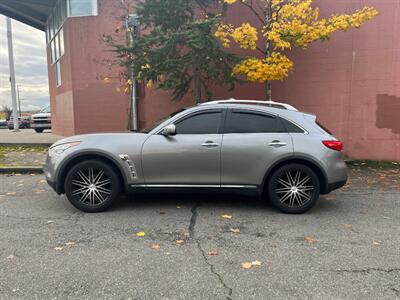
12 74
19 99
133 23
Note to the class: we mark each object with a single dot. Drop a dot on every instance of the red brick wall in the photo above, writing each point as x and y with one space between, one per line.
352 81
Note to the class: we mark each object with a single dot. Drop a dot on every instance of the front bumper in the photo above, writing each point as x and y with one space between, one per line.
49 170
41 125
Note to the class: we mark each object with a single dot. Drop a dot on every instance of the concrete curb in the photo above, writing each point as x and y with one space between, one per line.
22 170
26 144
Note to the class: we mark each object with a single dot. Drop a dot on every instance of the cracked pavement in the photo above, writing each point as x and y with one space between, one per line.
356 254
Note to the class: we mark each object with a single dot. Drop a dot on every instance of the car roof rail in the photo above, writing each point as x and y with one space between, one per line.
254 102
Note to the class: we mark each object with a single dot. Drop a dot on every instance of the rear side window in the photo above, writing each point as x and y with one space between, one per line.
247 122
205 123
290 127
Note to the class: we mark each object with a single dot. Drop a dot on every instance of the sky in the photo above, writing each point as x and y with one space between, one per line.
30 66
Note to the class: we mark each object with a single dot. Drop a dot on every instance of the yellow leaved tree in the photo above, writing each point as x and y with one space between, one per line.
281 26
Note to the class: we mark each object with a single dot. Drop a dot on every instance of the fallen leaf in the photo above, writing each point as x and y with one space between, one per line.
247 265
256 263
141 233
227 216
162 212
155 246
348 226
310 239
234 230
11 193
212 253
179 242
330 197
58 248
376 243
71 243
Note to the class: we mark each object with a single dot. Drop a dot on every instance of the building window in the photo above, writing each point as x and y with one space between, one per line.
54 29
78 8
58 73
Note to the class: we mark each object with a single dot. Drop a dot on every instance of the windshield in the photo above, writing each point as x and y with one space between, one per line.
155 124
45 109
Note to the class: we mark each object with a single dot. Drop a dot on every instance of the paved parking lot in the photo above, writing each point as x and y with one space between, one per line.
27 136
347 247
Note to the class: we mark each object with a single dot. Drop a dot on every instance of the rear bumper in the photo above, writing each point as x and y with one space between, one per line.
335 185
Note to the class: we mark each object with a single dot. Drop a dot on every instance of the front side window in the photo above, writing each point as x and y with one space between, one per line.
248 122
205 123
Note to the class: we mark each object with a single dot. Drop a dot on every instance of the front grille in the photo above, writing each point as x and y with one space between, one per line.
45 121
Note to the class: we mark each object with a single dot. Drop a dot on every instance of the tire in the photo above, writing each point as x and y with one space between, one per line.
87 191
293 188
39 130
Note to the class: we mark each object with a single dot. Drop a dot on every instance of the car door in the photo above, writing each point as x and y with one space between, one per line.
253 141
191 157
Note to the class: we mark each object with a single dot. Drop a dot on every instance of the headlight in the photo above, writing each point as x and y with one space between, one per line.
59 149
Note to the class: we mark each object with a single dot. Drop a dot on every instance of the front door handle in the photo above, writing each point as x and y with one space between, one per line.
210 144
277 144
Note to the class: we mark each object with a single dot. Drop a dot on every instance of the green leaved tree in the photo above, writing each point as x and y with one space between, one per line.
177 50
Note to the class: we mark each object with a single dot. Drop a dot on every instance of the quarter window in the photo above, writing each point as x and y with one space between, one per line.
244 122
290 127
205 123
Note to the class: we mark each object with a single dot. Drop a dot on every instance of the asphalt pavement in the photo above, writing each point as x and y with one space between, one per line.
197 246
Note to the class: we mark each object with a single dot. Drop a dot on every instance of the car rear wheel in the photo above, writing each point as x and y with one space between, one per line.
39 130
294 188
92 186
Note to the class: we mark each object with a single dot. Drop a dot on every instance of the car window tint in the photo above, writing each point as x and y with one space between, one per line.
206 123
290 127
242 122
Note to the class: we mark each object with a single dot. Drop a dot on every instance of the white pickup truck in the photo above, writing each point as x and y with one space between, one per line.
41 120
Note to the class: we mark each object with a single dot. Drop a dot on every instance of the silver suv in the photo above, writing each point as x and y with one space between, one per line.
265 148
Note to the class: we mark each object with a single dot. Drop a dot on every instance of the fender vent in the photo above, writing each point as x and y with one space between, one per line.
131 166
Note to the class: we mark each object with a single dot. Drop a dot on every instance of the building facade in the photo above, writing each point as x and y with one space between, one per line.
350 82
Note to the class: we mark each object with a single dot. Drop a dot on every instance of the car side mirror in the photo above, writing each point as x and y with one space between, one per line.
169 130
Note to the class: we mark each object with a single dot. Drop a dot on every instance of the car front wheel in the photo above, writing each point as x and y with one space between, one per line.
92 186
294 188
39 130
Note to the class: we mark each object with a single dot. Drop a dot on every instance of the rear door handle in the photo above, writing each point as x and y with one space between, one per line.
277 144
210 144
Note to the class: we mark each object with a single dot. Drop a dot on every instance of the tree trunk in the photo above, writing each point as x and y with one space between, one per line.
268 91
268 18
197 86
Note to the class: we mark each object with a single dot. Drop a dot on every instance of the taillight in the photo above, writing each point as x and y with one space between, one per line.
334 145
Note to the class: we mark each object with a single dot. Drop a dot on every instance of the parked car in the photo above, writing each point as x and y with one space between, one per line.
3 123
24 123
41 120
266 148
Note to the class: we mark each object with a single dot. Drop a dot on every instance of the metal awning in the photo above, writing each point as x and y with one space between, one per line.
31 12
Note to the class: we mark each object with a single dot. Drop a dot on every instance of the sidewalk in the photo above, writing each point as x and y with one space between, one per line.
27 137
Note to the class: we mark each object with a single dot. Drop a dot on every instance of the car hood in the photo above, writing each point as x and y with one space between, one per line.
102 138
41 115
